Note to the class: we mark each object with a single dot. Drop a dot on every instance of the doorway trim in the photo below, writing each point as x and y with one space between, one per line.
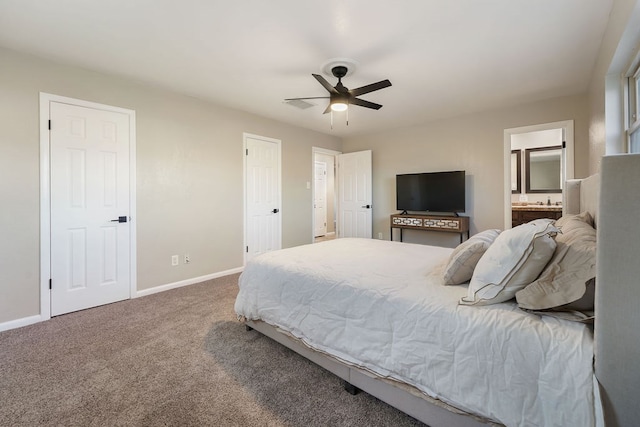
328 152
567 134
45 194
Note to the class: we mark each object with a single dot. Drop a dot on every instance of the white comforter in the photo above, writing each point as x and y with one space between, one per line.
381 305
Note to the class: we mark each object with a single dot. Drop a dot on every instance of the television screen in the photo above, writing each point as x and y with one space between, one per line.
431 191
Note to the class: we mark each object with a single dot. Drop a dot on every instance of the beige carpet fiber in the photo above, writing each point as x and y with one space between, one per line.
176 358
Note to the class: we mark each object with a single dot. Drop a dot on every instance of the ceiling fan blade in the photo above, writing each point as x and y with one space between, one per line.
309 97
328 110
325 83
363 103
370 88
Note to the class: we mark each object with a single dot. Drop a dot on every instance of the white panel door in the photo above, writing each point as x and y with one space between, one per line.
90 248
320 199
355 195
262 204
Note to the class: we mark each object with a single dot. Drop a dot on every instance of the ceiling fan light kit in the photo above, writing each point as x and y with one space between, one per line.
339 103
340 97
339 106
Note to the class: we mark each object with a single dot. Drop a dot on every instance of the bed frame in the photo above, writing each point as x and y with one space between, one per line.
617 333
406 398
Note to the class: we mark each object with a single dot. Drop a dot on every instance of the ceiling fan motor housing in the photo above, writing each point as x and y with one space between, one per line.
339 71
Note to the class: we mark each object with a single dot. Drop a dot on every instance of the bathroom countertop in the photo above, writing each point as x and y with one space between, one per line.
536 207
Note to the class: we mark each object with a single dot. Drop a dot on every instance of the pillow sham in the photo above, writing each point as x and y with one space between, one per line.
582 310
514 260
466 255
572 267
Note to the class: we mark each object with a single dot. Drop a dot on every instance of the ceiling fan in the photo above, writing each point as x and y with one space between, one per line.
341 97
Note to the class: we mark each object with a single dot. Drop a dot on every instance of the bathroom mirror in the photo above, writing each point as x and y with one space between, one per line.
543 169
516 172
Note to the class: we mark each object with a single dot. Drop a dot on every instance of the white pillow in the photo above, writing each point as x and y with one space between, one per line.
514 260
466 255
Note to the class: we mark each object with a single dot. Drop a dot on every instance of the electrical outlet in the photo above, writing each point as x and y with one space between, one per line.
175 260
187 260
380 236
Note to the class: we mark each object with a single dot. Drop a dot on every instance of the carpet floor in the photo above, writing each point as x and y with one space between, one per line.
176 358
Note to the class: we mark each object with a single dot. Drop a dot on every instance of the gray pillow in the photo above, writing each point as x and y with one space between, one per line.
466 255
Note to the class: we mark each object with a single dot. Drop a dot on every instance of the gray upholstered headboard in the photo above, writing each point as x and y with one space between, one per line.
613 199
582 195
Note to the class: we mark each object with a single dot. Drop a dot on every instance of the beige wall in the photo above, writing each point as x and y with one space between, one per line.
189 177
618 44
474 143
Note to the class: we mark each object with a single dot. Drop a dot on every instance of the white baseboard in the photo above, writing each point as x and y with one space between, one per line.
18 323
186 282
25 321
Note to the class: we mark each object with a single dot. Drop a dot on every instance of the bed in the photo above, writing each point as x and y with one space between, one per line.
377 315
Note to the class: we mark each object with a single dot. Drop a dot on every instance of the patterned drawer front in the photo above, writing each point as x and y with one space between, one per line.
415 222
450 224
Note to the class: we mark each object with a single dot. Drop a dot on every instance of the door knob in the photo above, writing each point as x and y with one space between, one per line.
120 219
366 206
275 210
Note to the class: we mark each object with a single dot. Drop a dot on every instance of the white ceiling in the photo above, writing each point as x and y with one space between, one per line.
444 57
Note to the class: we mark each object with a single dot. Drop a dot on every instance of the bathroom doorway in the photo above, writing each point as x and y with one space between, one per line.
324 194
538 159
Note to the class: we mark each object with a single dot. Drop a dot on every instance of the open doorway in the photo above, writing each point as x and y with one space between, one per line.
324 194
538 159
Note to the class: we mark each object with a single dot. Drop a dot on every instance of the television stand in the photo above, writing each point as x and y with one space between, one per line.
450 224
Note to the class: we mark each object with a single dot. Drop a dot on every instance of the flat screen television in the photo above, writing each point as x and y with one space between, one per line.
431 191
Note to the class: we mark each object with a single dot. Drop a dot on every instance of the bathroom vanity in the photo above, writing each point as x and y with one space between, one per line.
525 213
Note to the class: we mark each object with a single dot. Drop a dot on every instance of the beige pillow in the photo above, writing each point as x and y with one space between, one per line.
514 260
581 310
572 267
566 218
466 255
